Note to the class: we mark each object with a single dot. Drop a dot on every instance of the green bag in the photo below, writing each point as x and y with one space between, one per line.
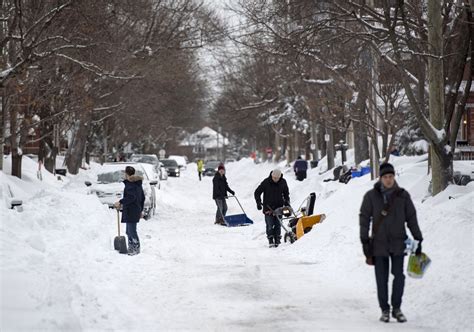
417 265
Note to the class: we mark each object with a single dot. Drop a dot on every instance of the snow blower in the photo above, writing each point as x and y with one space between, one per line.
120 243
285 213
305 222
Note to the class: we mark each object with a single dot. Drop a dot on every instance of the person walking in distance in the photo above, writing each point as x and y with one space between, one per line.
200 168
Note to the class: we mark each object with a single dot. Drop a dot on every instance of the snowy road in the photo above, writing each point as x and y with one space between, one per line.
63 274
193 274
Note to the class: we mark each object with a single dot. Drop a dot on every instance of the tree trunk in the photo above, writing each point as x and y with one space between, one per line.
78 145
289 148
14 140
297 145
361 144
277 152
314 137
48 154
439 159
384 141
330 148
2 125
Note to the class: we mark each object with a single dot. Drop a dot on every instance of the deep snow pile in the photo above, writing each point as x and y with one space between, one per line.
59 272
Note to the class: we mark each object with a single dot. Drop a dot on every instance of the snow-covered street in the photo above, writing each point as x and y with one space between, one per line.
59 270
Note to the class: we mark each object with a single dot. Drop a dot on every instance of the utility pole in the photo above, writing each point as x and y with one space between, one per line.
373 141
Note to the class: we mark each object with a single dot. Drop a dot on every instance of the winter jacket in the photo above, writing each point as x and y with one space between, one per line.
300 165
200 166
275 194
133 199
391 234
220 187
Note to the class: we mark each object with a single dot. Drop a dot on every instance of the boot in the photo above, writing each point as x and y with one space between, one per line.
398 315
385 316
277 241
220 221
271 244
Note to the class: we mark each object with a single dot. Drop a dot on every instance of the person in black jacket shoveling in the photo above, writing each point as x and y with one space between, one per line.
275 195
219 193
388 207
132 207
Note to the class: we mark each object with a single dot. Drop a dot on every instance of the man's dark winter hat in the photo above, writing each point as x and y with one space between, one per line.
129 170
386 168
220 167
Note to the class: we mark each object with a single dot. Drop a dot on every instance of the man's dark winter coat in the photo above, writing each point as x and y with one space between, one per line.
133 199
220 187
391 235
275 194
300 165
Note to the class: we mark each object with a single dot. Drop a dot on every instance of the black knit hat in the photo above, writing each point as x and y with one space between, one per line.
130 170
386 168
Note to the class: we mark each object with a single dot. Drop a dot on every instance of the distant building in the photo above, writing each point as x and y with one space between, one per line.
465 139
205 143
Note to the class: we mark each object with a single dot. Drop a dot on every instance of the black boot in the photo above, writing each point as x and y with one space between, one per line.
277 241
271 244
385 316
398 315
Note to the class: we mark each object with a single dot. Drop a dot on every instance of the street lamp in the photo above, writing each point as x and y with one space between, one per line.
342 146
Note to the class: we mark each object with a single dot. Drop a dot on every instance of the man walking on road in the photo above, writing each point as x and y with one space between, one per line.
219 194
388 207
200 168
275 195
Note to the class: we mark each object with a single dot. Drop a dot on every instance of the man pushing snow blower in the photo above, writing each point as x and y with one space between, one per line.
275 195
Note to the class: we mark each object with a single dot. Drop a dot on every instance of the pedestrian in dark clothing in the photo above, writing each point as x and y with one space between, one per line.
388 207
300 168
132 207
219 194
275 195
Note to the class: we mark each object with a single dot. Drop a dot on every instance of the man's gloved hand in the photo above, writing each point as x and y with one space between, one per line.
259 206
418 249
366 248
232 192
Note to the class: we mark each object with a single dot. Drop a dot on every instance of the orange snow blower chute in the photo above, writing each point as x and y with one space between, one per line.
305 223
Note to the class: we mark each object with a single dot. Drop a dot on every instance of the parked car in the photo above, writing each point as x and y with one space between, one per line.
146 159
181 160
172 167
210 168
152 173
228 161
109 185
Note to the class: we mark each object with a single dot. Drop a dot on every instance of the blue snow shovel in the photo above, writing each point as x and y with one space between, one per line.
236 220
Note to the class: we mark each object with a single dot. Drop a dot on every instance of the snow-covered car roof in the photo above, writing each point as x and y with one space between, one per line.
181 160
144 158
149 169
120 166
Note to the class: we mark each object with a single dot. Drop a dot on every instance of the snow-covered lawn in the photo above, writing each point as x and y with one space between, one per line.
59 271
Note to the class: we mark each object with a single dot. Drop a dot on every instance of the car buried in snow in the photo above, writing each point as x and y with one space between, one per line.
172 167
181 160
210 168
151 159
109 185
